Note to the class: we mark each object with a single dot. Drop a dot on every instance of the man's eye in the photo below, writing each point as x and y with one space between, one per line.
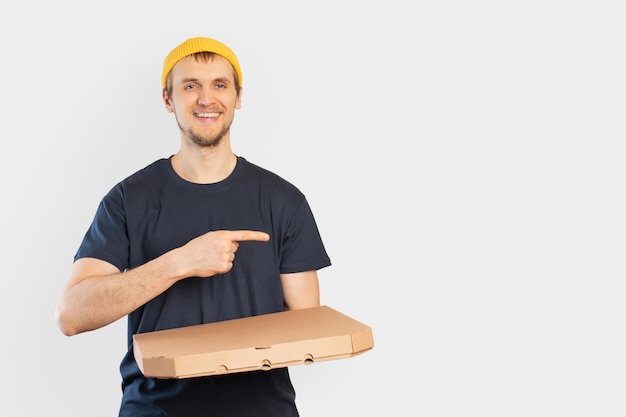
220 85
190 87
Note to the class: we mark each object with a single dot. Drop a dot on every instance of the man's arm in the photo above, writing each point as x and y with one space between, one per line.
301 290
98 293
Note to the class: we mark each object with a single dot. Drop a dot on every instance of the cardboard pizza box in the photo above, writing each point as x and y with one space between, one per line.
252 343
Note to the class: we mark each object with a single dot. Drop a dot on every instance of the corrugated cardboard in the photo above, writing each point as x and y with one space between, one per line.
252 343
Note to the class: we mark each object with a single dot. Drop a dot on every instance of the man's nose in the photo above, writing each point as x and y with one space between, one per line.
206 97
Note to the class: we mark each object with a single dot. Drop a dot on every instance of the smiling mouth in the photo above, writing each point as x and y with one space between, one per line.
207 114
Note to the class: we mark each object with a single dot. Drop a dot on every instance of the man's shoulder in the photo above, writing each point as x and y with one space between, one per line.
253 171
157 168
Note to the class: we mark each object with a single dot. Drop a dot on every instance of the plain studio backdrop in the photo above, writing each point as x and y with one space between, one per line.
464 160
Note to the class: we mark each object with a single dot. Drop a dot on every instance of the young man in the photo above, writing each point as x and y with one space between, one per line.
198 237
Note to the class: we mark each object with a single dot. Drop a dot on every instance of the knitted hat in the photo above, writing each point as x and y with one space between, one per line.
193 45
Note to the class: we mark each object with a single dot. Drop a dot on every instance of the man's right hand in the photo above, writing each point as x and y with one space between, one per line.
214 252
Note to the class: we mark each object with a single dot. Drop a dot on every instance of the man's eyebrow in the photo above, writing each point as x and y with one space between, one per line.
189 80
224 80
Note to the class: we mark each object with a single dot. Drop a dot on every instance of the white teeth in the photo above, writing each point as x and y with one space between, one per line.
208 114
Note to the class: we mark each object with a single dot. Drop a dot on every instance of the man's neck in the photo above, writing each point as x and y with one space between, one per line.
204 165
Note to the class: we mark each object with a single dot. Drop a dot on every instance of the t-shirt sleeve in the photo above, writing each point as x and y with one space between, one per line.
106 237
303 248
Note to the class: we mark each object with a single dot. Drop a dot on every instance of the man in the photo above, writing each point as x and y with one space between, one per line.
198 237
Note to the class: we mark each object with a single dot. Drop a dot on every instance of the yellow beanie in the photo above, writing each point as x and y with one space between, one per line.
193 45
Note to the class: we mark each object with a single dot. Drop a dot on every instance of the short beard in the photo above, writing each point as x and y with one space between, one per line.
204 142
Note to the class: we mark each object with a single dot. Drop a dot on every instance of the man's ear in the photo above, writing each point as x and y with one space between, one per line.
238 102
167 101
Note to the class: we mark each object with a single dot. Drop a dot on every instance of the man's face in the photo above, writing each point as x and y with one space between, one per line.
203 99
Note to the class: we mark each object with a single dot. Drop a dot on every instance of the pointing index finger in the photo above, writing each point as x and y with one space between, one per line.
243 235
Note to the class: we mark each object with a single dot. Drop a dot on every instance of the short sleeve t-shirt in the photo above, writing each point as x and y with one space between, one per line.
154 211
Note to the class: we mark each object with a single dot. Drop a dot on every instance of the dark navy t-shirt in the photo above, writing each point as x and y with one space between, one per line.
154 211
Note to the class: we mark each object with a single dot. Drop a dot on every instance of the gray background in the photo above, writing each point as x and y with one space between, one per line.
464 161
